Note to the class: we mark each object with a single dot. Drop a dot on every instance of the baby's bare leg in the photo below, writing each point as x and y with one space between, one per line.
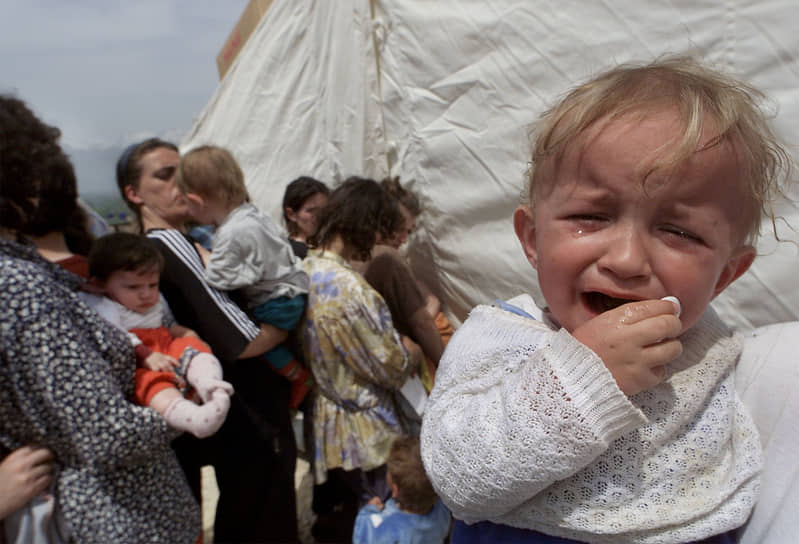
161 400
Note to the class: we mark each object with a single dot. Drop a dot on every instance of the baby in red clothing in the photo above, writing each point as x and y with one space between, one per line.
127 268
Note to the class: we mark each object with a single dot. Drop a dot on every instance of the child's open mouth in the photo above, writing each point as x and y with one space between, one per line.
600 303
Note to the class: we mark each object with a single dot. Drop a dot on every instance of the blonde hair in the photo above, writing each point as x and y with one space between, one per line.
212 172
697 93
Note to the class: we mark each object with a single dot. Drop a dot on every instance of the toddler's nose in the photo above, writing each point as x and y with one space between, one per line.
627 254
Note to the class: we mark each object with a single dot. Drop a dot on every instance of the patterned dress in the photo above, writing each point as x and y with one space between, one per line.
358 362
65 377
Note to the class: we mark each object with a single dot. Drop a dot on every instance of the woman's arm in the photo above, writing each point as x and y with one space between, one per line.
268 337
195 304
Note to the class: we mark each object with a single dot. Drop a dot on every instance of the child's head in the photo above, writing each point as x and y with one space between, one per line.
303 200
646 182
212 180
409 208
406 476
127 267
357 211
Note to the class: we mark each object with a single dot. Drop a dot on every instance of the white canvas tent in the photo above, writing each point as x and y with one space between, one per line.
441 93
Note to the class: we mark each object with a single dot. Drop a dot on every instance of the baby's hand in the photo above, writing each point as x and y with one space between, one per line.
635 341
160 362
375 501
413 349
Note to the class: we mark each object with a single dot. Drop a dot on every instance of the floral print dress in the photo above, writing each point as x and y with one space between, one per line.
65 379
358 362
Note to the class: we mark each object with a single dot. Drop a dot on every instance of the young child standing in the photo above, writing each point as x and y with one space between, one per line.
249 252
126 267
612 416
413 514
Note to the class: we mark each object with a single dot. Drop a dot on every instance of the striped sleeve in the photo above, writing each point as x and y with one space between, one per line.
197 305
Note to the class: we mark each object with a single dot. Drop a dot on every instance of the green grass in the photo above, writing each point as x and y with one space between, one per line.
110 207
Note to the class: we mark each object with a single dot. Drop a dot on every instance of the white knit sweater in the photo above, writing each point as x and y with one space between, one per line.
526 427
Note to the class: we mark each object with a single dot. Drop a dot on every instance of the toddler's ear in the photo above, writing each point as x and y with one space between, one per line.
524 225
739 262
195 198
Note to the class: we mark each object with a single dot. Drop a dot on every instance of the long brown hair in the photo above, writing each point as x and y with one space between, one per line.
357 210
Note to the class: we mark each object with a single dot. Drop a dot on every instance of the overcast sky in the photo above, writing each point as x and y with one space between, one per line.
109 72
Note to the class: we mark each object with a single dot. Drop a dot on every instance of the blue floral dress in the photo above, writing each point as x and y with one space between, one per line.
358 362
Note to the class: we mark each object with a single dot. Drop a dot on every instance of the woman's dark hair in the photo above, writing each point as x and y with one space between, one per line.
26 147
122 251
129 166
357 211
297 192
402 195
58 209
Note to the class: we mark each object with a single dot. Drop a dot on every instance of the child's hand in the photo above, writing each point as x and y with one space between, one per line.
375 501
413 349
160 362
635 341
205 255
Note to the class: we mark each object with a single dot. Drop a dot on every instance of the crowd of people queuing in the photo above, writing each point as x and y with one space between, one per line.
181 355
133 360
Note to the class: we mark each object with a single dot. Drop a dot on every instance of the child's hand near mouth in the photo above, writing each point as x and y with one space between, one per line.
635 341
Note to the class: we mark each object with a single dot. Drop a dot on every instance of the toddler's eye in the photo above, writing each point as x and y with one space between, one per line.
587 220
586 217
683 234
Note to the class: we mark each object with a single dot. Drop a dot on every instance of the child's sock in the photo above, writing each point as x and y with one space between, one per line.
205 375
301 382
200 420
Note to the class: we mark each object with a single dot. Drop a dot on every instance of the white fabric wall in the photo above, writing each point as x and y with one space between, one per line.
441 93
300 99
